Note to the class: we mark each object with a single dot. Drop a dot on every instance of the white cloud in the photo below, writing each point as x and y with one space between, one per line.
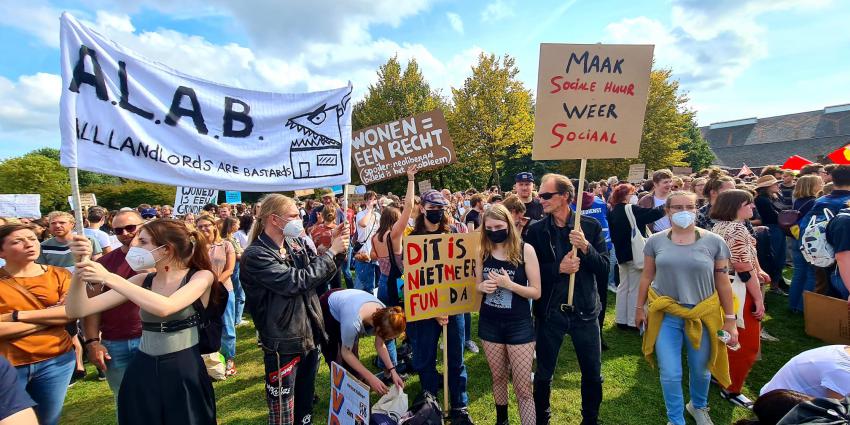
497 10
29 114
455 22
35 17
707 44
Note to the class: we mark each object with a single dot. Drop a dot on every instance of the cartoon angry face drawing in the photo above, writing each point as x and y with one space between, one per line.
316 149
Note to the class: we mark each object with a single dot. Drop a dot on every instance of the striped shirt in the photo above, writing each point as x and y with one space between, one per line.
741 243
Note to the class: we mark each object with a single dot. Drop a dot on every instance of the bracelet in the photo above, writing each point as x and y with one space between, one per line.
730 317
391 369
15 315
91 340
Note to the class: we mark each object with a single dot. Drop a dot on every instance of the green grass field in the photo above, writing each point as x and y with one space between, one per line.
632 393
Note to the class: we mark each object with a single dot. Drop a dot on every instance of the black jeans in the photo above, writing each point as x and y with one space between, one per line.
290 385
584 332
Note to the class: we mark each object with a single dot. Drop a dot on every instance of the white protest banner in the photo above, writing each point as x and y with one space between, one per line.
349 399
20 206
384 151
191 200
128 116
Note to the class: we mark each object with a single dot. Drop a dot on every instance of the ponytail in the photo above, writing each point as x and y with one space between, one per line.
200 260
256 229
389 321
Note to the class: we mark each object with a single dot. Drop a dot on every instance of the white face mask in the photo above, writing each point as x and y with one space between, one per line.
292 229
141 259
683 219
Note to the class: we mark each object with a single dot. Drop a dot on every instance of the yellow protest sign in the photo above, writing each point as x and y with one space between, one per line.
439 273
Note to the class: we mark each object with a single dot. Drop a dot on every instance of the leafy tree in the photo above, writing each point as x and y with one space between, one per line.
85 178
37 174
132 193
396 95
697 151
492 121
665 132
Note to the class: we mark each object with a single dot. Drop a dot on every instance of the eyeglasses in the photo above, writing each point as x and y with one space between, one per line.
130 228
691 207
548 195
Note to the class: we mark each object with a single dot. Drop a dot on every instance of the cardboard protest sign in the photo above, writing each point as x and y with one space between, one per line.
349 399
87 200
384 151
424 185
439 273
682 171
233 197
637 172
20 206
124 115
826 318
305 192
190 200
591 100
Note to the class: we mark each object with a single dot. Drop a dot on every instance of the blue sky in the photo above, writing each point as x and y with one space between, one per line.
734 58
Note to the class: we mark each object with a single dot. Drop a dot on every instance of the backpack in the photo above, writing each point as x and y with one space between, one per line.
425 411
210 323
813 245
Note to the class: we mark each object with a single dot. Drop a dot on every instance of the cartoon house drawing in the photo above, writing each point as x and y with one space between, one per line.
316 150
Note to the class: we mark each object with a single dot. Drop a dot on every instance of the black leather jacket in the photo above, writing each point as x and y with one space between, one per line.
281 294
555 285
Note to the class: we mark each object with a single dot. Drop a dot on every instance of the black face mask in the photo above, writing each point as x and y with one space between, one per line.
434 216
497 236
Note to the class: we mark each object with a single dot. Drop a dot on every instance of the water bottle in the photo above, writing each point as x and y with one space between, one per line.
725 337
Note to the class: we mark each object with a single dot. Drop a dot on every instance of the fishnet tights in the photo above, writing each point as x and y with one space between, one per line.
517 359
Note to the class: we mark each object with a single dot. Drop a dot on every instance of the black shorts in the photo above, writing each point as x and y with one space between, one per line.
511 332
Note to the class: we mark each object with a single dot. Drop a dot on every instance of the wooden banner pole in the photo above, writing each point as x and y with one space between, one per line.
577 224
445 369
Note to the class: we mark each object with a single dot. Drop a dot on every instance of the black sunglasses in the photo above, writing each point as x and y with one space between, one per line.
548 195
130 228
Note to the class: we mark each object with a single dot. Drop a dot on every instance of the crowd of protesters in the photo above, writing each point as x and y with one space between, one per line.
688 258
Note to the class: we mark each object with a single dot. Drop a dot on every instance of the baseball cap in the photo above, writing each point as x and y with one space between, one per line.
525 176
434 197
148 212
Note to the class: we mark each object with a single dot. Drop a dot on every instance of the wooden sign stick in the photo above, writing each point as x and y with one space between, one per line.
445 369
577 224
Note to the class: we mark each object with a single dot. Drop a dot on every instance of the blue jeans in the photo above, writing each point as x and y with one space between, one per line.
391 346
228 333
802 280
467 327
46 382
365 279
612 272
239 293
838 285
346 269
121 353
668 351
424 337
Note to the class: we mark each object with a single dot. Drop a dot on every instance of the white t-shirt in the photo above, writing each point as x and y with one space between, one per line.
814 372
364 234
662 223
101 236
242 238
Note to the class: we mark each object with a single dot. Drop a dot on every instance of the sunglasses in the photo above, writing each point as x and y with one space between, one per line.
548 195
130 228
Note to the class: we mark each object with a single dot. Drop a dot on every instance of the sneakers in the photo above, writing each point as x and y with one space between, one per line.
78 375
701 416
461 417
738 399
778 291
471 346
100 375
768 337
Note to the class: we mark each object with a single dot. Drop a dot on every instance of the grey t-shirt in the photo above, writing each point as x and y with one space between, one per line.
685 272
345 308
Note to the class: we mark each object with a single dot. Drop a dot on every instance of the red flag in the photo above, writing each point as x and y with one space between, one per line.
795 162
745 171
841 155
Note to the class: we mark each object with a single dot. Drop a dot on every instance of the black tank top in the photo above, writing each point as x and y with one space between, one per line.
504 304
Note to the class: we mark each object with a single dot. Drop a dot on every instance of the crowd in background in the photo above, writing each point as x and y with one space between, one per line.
152 299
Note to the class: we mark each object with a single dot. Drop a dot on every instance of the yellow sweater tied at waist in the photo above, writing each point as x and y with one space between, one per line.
708 313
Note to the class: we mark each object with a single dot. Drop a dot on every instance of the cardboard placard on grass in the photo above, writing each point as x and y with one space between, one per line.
424 185
439 275
349 403
637 172
826 318
385 151
591 100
